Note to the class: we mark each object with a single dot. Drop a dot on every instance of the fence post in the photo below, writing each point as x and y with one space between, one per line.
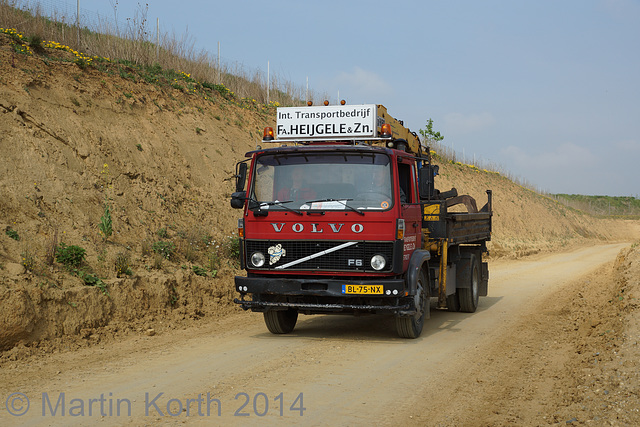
78 23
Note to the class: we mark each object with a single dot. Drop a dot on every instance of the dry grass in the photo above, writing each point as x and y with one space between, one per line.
447 154
136 43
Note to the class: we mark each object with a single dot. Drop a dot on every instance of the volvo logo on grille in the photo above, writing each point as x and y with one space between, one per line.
316 227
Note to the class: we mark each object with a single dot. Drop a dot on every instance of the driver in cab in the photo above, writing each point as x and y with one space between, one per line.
380 185
298 191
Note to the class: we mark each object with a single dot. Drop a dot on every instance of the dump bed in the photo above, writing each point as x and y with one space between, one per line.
456 227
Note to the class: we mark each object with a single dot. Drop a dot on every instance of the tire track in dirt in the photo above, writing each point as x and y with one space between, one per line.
351 370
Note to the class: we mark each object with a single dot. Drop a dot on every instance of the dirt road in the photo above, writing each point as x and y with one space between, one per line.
333 370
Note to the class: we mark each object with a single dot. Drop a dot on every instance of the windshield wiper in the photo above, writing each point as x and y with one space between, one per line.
341 201
276 203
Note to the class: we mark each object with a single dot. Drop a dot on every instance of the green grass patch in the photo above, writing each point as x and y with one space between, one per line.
70 256
601 205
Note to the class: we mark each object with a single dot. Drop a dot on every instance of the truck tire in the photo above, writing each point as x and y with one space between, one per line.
280 321
468 296
411 327
453 303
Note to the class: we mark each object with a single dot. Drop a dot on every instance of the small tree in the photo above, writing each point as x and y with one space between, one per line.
429 134
431 139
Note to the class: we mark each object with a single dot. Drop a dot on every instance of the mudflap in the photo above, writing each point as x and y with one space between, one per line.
483 286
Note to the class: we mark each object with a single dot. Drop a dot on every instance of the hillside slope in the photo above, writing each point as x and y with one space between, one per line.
526 222
163 157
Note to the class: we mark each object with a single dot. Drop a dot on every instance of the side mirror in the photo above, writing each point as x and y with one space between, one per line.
238 198
427 175
241 176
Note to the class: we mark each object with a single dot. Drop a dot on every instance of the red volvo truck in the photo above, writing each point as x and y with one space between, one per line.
341 216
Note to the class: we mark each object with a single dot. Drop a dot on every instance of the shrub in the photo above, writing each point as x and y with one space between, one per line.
28 260
106 225
157 261
35 41
165 249
213 261
122 264
146 247
190 252
91 279
232 247
50 248
70 256
200 271
12 233
162 233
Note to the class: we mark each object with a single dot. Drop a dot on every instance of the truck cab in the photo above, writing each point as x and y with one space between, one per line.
336 223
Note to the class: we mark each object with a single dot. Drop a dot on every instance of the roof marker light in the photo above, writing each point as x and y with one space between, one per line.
268 134
326 103
343 102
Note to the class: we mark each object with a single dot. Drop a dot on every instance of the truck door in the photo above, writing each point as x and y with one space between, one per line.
409 208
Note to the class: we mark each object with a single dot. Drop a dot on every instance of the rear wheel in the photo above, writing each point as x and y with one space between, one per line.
468 296
411 327
453 304
280 321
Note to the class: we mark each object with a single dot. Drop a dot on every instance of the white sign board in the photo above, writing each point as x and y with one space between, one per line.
327 122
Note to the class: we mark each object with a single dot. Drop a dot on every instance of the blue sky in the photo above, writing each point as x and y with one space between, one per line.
546 90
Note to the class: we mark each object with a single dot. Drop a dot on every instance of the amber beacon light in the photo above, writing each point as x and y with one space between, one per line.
268 134
385 131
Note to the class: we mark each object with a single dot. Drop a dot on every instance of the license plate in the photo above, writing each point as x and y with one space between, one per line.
363 289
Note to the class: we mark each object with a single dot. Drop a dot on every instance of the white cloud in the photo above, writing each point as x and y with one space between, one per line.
567 155
566 168
468 123
360 84
628 145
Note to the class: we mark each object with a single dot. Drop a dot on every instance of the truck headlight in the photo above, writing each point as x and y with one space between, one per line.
257 259
378 262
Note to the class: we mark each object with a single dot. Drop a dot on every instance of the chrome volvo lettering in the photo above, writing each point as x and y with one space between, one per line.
316 227
336 229
275 226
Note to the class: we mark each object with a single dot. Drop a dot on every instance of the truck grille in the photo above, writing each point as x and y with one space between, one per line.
356 257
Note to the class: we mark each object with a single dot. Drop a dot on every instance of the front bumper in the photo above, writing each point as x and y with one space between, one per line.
319 295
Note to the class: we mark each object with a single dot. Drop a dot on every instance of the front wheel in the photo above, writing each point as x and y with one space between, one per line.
280 321
411 327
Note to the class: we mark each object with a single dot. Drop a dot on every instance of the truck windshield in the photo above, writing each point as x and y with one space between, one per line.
323 181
